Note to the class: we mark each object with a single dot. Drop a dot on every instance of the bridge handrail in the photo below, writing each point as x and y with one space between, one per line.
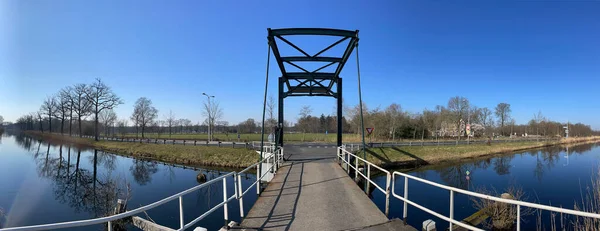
343 154
276 157
109 219
478 195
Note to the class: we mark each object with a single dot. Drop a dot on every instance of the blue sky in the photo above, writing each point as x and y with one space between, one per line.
535 55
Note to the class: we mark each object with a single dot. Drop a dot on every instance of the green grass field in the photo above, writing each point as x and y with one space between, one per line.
178 154
249 137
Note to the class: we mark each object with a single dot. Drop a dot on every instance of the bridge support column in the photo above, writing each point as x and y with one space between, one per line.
280 112
339 112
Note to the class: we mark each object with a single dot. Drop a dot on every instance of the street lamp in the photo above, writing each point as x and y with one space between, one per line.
208 112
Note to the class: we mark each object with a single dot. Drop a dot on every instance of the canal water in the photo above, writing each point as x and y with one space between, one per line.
43 182
557 176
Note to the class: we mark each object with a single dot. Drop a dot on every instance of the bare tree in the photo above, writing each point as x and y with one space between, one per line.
63 108
271 107
458 107
49 108
122 127
144 113
81 105
394 114
503 114
1 119
213 111
170 120
67 93
101 98
108 118
39 114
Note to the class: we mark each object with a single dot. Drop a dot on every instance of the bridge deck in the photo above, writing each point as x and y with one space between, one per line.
312 192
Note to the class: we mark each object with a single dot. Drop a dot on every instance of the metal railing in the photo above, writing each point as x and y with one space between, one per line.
274 158
345 156
110 219
453 190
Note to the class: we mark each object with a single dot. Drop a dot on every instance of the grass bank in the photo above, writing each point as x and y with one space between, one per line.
177 154
409 156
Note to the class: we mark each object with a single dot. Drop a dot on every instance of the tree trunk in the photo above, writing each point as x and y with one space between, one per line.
70 122
80 130
96 124
143 127
62 125
50 124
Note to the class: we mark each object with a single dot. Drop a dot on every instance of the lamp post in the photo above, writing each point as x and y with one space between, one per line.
208 111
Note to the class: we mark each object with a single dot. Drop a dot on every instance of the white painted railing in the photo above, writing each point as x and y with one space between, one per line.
110 219
275 159
345 157
452 190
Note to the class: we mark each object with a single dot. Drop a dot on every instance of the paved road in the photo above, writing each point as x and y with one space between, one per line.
312 192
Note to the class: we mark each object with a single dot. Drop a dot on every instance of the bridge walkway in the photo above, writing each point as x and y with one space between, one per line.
312 192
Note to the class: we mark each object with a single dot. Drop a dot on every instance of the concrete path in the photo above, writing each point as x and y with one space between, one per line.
312 192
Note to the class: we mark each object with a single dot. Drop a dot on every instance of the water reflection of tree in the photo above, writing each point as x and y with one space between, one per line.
83 189
502 164
143 170
456 175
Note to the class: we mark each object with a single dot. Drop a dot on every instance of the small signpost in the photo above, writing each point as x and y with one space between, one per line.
468 129
369 131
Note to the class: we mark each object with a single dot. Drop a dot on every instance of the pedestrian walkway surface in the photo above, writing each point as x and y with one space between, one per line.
312 192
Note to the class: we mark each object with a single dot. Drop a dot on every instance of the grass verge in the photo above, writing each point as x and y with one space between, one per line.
409 156
177 154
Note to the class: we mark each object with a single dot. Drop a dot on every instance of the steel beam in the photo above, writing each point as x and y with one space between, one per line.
313 31
316 75
276 53
310 59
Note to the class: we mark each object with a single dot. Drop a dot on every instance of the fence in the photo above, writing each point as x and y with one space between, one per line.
275 159
357 146
179 142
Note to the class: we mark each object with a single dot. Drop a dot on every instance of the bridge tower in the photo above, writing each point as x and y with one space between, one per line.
305 82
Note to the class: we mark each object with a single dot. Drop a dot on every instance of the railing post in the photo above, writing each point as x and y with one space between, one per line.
451 208
225 199
109 226
240 196
368 177
405 197
518 217
347 158
258 178
181 222
387 194
355 168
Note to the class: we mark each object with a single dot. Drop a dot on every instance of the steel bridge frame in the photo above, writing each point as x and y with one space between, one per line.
311 83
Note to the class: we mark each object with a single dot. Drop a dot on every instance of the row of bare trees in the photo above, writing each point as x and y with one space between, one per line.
451 120
75 103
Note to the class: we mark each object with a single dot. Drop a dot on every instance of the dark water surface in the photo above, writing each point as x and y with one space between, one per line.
556 176
43 182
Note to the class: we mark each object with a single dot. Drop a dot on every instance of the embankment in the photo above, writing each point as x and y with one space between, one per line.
177 154
410 156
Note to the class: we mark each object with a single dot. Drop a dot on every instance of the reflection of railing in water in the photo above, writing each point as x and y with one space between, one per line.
274 159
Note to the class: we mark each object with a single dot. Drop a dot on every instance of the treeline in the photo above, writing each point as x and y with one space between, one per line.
86 109
70 107
453 119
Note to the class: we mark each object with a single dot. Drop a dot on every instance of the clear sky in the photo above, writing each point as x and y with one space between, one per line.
535 55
